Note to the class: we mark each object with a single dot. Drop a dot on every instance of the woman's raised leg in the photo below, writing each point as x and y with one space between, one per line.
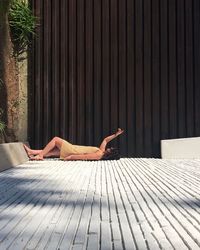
55 142
53 153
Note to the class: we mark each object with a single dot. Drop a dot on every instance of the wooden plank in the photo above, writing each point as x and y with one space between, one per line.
73 225
105 235
93 242
81 234
94 227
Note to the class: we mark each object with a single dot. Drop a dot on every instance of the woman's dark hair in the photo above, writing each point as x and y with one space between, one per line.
112 154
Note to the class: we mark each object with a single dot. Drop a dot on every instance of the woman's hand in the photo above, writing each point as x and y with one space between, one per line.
119 132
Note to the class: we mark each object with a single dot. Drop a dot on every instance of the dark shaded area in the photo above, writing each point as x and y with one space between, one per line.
99 65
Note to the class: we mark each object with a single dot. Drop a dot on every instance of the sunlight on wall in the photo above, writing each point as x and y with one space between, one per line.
22 128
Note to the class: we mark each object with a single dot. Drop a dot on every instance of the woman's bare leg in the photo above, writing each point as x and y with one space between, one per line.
31 152
55 142
53 153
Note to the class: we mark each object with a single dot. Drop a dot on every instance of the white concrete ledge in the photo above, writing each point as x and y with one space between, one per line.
11 155
184 148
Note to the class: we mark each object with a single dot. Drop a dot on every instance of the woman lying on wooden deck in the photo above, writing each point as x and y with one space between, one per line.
59 147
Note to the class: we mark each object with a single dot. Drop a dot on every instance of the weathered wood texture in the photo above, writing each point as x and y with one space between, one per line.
98 65
145 204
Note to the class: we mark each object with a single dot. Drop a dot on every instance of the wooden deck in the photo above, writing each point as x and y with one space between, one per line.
125 204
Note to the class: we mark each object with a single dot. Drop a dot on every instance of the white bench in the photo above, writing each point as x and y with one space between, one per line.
184 148
11 155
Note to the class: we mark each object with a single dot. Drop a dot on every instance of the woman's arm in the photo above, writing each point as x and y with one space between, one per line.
92 156
110 138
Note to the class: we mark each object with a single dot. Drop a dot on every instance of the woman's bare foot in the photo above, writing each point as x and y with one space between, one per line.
37 158
28 151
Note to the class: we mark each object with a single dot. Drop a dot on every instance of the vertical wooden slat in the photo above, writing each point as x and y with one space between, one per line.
38 131
172 70
89 72
139 98
147 79
122 75
98 98
196 37
164 70
181 68
156 77
64 70
106 91
130 132
55 68
80 72
72 71
47 114
114 66
31 86
189 67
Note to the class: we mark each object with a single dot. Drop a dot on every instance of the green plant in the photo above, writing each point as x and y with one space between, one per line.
2 127
22 24
2 124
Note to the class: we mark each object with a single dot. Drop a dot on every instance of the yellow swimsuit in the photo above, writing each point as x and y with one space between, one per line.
70 149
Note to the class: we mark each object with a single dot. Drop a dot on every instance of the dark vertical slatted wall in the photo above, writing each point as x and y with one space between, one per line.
97 65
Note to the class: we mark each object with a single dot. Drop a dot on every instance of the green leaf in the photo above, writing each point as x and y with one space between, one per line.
22 23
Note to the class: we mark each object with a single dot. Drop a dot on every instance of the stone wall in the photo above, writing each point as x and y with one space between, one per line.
23 100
